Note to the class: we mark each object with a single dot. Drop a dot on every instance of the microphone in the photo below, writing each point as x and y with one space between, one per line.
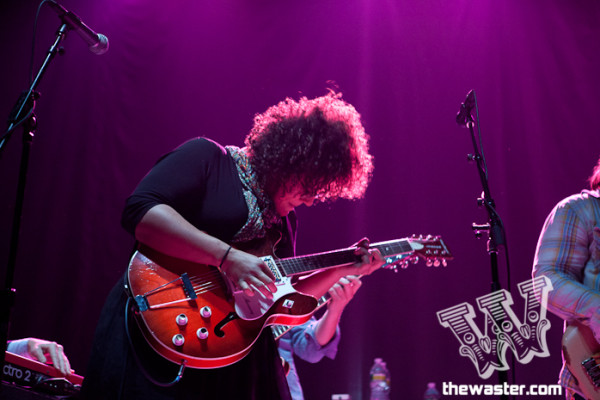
464 113
98 42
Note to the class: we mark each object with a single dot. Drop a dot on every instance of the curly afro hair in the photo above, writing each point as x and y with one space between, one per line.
595 178
318 143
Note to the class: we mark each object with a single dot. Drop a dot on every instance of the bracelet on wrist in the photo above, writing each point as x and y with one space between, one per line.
224 257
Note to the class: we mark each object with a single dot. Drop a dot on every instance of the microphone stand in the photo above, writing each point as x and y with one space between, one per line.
493 228
22 114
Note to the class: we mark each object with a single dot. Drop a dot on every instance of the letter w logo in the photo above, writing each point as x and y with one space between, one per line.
502 329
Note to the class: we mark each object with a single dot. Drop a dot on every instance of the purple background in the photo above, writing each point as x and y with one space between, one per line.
181 69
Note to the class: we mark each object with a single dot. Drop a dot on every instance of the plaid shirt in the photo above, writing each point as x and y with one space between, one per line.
568 252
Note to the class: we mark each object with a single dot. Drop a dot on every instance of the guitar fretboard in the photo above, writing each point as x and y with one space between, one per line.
313 262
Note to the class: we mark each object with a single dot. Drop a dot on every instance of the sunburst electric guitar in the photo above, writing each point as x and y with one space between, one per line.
189 314
581 352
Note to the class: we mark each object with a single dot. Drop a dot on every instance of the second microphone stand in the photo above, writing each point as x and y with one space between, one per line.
494 227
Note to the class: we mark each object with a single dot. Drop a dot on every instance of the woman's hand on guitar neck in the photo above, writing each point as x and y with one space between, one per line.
370 260
318 283
249 273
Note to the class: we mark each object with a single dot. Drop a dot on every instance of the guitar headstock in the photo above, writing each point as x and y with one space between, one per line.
430 248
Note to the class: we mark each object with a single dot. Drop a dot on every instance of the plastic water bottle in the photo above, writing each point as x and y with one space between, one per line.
380 381
432 393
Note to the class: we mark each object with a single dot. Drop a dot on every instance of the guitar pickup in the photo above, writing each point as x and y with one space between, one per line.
270 261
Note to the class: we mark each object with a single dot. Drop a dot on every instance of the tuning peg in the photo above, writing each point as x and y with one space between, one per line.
444 262
436 263
429 263
391 266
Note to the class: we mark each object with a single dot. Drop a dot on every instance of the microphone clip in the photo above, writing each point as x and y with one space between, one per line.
464 117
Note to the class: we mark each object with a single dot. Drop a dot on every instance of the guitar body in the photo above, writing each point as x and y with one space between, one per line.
189 314
194 319
581 352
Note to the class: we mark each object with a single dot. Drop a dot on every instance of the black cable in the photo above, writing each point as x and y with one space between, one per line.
485 169
139 362
37 14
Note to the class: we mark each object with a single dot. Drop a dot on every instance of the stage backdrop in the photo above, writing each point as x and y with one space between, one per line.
181 69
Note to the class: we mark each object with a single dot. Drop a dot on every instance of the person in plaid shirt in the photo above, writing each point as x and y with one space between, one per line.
568 253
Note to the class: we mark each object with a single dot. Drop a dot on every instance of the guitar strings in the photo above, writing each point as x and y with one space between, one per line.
202 283
209 281
213 280
325 260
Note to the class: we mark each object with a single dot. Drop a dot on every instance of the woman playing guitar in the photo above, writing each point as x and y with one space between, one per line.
205 204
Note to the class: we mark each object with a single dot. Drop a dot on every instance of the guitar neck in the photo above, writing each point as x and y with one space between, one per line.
314 262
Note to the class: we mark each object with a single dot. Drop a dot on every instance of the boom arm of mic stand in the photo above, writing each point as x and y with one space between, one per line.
24 100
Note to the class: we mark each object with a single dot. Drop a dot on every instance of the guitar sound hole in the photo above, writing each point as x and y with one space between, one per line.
219 328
